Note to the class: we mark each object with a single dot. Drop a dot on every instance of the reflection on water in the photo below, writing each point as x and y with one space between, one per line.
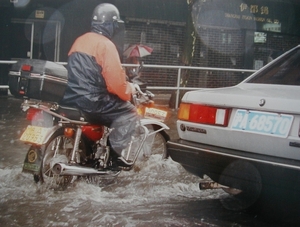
133 194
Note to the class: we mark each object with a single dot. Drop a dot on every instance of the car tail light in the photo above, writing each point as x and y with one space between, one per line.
203 114
32 113
26 68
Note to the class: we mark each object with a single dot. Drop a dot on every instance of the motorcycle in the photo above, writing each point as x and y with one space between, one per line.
65 146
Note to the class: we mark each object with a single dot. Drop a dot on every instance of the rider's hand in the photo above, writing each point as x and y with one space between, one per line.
133 90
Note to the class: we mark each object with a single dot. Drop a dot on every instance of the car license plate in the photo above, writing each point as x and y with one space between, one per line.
155 113
35 134
262 122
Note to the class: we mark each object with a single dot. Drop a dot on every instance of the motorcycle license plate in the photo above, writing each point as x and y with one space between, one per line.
155 113
35 134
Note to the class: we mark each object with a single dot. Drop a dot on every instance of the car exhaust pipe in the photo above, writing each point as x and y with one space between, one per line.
204 185
75 170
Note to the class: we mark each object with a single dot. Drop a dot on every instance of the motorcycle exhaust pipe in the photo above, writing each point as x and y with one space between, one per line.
72 170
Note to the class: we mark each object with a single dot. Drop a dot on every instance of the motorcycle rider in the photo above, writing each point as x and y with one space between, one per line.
96 80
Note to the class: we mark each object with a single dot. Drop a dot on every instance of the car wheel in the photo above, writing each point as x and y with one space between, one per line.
245 177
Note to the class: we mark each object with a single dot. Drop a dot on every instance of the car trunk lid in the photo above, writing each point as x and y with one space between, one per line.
274 98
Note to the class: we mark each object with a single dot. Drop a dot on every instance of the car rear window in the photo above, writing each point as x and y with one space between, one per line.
285 71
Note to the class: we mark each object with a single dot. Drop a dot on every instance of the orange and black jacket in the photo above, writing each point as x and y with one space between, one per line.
96 80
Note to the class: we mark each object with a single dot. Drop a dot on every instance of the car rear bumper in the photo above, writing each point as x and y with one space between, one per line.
201 159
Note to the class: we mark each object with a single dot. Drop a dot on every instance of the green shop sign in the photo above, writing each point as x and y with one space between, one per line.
248 14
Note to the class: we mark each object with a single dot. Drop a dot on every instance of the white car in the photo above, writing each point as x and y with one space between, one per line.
246 138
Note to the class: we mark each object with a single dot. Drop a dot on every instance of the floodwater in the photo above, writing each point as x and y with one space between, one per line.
159 193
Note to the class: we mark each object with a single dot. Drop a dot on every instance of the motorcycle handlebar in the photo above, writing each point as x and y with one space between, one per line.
143 97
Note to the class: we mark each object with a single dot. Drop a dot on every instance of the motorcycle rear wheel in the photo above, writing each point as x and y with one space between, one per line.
244 176
58 149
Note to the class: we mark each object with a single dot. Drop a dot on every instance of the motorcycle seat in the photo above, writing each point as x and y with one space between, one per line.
72 113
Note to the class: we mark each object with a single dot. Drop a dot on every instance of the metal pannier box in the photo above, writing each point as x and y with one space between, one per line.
38 79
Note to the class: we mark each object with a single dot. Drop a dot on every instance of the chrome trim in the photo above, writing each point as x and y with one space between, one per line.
147 121
14 73
195 149
75 170
48 77
64 120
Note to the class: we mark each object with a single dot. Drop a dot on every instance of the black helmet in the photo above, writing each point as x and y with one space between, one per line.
106 12
106 21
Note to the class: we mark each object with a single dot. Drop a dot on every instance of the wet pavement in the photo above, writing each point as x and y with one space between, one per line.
161 193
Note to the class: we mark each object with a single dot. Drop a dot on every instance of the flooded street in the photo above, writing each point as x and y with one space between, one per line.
159 193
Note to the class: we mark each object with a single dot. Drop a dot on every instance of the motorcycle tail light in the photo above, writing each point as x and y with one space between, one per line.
69 132
32 113
141 109
203 114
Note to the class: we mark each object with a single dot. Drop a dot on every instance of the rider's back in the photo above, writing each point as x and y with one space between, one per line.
87 88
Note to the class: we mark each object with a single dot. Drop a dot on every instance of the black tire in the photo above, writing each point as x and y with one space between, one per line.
244 176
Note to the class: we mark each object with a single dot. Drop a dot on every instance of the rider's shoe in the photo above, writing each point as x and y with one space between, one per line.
130 152
101 157
114 167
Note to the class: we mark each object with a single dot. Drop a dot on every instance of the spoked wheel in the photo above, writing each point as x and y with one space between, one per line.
246 178
58 149
155 144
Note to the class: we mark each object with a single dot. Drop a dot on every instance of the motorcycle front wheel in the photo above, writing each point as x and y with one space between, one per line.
155 144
